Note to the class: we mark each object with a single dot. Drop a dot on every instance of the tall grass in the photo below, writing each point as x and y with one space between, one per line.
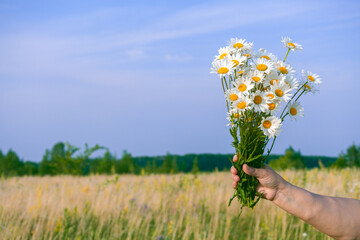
178 206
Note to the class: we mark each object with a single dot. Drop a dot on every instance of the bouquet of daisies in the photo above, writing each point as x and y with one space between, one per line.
260 92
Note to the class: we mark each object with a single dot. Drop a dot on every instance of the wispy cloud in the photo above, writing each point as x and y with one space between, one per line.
78 47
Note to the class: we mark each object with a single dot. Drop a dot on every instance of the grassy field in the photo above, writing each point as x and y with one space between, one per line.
155 207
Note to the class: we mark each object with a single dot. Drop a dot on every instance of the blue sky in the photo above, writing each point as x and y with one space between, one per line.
135 75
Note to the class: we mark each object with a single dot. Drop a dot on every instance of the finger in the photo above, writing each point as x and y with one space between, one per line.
235 158
234 184
260 190
233 170
235 178
256 172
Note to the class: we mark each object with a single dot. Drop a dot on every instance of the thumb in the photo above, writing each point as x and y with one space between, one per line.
255 172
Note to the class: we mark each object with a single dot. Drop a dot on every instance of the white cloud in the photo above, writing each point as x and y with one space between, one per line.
178 58
75 52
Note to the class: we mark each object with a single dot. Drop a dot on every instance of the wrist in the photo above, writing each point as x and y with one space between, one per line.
283 192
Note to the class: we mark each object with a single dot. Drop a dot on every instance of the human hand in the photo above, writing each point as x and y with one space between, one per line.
270 183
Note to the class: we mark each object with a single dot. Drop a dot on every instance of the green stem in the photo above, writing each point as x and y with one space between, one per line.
286 54
269 151
227 88
292 99
222 83
300 95
282 119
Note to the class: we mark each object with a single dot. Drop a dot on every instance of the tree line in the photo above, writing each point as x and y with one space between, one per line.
66 159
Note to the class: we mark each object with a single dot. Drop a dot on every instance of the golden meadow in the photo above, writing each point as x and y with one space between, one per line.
180 206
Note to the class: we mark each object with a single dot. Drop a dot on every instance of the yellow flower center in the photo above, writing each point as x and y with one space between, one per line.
307 86
283 70
293 111
274 80
235 62
288 84
261 67
222 55
311 78
257 99
223 70
238 45
236 115
241 105
279 92
271 106
241 72
270 95
233 97
291 45
242 87
266 57
266 124
256 78
265 88
247 55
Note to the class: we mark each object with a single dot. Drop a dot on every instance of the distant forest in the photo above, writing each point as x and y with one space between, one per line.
66 159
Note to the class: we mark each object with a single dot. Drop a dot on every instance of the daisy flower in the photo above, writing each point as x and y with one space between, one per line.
241 72
273 78
232 95
288 43
291 82
222 67
284 68
281 91
260 101
273 106
232 117
248 54
256 76
295 110
243 103
237 59
239 44
271 126
270 95
263 65
310 87
313 77
244 85
223 52
262 53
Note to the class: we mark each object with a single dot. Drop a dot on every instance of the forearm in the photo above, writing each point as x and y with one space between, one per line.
336 217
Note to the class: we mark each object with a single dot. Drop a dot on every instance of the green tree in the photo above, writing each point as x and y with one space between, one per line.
10 164
148 167
62 160
353 156
45 166
291 159
106 163
349 159
174 167
30 168
126 164
154 168
340 162
195 167
166 165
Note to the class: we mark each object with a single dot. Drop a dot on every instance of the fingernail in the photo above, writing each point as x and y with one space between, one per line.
233 170
234 184
235 158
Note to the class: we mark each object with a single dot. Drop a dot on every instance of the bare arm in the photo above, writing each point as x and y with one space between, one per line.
334 216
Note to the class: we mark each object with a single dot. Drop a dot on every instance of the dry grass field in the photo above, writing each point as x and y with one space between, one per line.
181 206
